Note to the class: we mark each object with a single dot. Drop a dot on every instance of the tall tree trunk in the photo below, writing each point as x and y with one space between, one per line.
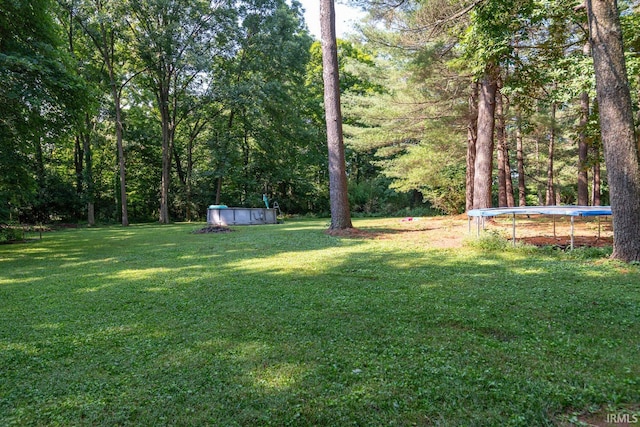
505 190
622 156
179 170
509 183
522 189
88 173
583 150
120 147
339 198
538 179
218 190
500 138
246 170
106 46
596 192
78 162
165 117
550 199
41 179
193 135
78 154
638 116
189 173
116 91
104 39
472 136
484 146
505 196
225 144
507 161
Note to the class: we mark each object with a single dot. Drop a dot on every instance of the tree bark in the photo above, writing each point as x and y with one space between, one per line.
583 150
193 134
88 173
188 188
484 147
163 106
504 146
41 179
472 135
218 190
246 171
500 137
120 147
78 162
596 193
616 126
550 198
507 170
338 195
509 183
522 189
538 179
638 116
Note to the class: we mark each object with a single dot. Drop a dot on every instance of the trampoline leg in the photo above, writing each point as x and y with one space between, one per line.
513 220
571 233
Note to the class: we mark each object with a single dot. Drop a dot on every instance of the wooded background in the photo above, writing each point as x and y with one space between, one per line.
151 110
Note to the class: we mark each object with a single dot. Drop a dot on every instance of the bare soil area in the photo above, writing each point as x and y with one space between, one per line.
452 231
213 229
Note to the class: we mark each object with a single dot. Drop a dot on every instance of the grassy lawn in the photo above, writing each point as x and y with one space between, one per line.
284 325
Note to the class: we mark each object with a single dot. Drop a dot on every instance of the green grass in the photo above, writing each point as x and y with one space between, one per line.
285 325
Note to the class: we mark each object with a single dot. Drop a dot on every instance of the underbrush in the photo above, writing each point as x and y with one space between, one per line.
494 241
11 233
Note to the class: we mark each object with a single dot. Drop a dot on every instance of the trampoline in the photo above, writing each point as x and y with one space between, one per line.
567 210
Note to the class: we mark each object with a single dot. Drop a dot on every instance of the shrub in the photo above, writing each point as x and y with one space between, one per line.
489 241
11 233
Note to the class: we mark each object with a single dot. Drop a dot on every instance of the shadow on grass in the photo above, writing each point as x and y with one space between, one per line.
288 326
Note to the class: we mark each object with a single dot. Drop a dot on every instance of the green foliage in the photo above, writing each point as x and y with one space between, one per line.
265 114
356 64
430 169
630 20
489 241
248 108
40 96
587 253
284 325
374 197
488 40
11 233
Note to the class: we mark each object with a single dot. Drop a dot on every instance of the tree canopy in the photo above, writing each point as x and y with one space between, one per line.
169 106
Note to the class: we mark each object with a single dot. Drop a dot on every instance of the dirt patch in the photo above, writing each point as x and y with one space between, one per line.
349 232
360 233
213 229
443 232
546 230
565 242
452 231
627 417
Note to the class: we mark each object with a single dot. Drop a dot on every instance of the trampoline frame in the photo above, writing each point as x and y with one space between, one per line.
566 210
